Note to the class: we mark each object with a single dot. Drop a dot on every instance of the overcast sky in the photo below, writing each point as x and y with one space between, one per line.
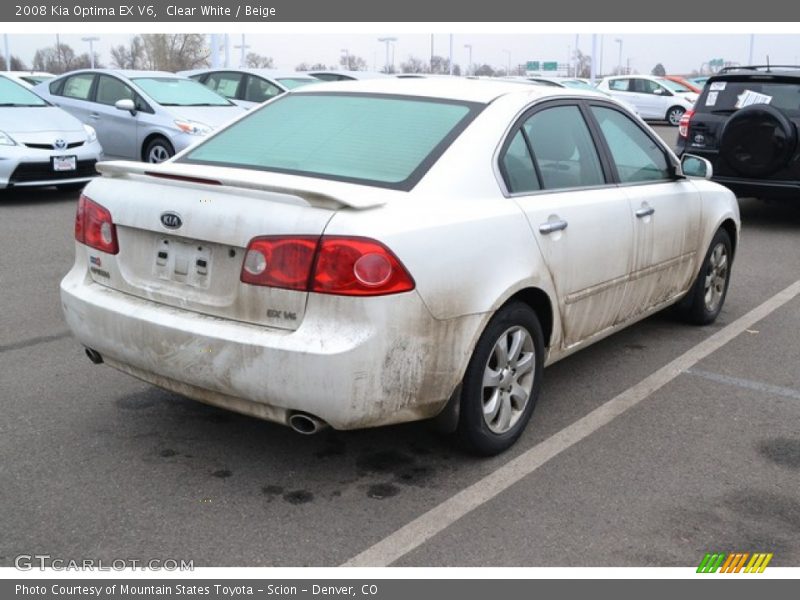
678 53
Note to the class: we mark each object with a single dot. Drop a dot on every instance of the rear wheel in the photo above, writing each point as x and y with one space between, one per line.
158 150
674 115
704 301
502 381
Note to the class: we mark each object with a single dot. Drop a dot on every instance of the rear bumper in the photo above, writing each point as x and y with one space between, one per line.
353 362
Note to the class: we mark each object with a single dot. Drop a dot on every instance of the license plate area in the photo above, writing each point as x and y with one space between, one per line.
183 261
64 163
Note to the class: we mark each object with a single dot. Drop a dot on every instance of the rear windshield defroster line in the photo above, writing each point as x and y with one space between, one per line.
383 140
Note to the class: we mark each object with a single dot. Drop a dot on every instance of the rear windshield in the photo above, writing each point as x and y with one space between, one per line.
292 82
728 96
14 94
382 140
172 91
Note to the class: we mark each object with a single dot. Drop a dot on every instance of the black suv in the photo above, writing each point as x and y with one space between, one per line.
745 122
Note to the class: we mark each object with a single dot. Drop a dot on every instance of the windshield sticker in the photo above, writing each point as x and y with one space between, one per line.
749 97
711 99
717 86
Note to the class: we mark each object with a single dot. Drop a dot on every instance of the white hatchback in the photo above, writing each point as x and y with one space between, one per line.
365 253
655 98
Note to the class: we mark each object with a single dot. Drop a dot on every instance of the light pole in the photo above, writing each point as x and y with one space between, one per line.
244 47
619 59
752 41
346 54
387 41
508 61
469 64
91 41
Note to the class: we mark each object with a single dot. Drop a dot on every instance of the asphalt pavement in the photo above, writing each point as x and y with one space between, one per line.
96 464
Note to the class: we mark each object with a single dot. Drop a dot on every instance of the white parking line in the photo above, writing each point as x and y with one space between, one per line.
748 384
427 525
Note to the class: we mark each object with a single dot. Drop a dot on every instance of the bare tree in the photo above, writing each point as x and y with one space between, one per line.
584 64
130 56
415 65
315 67
61 58
175 51
351 62
441 65
257 61
16 64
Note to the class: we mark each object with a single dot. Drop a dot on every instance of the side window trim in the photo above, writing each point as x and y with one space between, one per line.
609 174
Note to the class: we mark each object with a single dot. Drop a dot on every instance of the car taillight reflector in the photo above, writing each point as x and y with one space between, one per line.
683 125
346 266
94 226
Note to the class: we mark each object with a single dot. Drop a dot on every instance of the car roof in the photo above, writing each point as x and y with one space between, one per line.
128 73
270 73
354 74
761 70
468 90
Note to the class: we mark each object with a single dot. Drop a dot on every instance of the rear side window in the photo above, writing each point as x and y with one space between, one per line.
728 96
563 148
225 83
618 85
383 140
78 86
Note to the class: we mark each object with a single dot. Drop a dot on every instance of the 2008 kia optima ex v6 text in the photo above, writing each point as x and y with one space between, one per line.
364 253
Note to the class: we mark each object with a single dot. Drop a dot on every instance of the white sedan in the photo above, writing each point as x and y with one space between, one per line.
365 253
655 98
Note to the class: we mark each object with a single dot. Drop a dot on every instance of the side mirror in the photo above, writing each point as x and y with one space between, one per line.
126 104
696 166
659 91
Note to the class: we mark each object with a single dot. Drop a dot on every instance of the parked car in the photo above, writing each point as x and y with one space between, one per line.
140 115
683 82
347 75
655 98
746 124
574 83
249 87
28 78
424 249
41 145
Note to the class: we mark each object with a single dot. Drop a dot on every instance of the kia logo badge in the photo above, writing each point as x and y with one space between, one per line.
171 220
60 144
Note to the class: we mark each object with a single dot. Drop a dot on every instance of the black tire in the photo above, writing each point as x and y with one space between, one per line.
474 431
758 140
70 187
158 148
696 307
674 115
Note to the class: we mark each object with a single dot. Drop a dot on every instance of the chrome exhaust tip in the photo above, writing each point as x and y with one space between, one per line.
306 424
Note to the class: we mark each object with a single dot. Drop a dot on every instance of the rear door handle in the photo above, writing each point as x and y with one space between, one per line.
94 116
645 211
552 226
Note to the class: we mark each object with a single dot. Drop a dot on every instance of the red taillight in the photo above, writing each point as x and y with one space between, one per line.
346 266
683 125
94 227
282 262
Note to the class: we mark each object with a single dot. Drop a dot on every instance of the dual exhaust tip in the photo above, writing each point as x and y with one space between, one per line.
302 423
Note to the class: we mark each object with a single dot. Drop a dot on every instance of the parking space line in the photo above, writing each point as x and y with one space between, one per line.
417 532
35 341
749 384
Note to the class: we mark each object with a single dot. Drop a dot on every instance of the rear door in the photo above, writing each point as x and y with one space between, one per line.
75 95
581 222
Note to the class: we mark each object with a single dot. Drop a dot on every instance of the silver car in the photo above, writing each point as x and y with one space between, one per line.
40 144
249 87
140 115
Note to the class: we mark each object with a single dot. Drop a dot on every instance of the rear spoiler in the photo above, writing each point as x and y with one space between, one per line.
324 193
